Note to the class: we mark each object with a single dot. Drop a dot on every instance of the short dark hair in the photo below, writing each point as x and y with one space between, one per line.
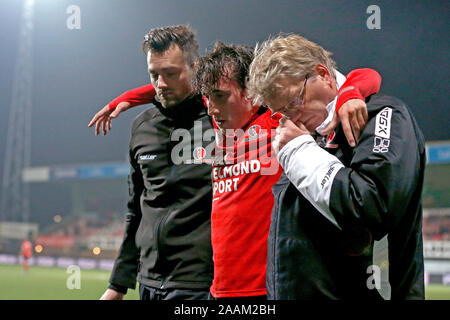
161 39
230 61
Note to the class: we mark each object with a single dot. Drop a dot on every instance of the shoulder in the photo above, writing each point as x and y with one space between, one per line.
381 107
377 103
267 121
391 118
144 117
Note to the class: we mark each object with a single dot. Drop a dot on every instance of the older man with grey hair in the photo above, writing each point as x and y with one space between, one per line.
339 208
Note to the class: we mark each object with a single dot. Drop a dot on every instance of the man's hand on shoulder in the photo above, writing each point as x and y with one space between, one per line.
353 116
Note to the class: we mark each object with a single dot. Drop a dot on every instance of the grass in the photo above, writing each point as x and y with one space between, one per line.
51 284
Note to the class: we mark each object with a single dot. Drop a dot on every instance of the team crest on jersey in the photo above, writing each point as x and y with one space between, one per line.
329 141
199 153
254 130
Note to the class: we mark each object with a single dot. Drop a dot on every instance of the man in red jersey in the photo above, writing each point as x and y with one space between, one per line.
243 174
26 251
244 168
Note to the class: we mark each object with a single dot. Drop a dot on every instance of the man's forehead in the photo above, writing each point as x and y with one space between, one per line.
225 83
279 92
173 56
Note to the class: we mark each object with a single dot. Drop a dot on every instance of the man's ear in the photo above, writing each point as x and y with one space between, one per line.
244 93
324 74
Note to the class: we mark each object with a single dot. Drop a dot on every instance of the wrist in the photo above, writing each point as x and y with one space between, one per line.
346 94
118 288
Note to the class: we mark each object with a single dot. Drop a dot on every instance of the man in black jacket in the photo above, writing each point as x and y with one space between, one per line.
167 241
346 222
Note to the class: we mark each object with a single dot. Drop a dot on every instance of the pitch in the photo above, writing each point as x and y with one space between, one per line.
51 284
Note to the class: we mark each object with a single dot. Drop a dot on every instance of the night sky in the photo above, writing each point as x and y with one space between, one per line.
76 72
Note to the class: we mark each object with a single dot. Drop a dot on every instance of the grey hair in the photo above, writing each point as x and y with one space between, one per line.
285 56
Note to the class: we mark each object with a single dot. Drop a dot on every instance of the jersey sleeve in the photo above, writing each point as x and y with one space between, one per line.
373 189
359 84
137 96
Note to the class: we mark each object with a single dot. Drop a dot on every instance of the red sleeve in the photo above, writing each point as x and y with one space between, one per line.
135 97
360 84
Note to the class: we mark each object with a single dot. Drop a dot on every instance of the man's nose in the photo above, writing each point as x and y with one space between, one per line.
162 84
212 110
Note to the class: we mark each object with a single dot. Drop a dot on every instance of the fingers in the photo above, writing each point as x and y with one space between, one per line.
347 130
361 120
365 114
356 129
97 127
104 125
101 125
282 121
94 119
332 125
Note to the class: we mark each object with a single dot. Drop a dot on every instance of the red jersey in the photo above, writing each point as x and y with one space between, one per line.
26 249
242 206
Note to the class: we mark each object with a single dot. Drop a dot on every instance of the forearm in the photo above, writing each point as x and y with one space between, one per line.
359 84
311 169
137 96
126 264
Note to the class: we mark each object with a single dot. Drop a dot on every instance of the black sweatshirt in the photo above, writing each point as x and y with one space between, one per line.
167 241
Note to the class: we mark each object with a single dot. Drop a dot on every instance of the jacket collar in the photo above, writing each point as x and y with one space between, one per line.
188 109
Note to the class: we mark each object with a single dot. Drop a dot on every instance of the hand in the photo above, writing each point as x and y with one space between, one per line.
111 294
353 116
102 119
287 131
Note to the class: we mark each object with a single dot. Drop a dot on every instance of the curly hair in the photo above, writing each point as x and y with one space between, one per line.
225 60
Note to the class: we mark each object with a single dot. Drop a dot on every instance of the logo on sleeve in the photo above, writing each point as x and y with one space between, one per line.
382 131
147 157
381 145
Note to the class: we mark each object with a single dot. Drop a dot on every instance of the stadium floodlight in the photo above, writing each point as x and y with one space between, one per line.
15 192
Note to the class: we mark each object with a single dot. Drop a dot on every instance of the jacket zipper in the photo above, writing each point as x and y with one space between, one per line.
274 245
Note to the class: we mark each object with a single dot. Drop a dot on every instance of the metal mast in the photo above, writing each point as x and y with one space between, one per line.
15 193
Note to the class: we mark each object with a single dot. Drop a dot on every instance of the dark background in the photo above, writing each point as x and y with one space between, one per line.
76 72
